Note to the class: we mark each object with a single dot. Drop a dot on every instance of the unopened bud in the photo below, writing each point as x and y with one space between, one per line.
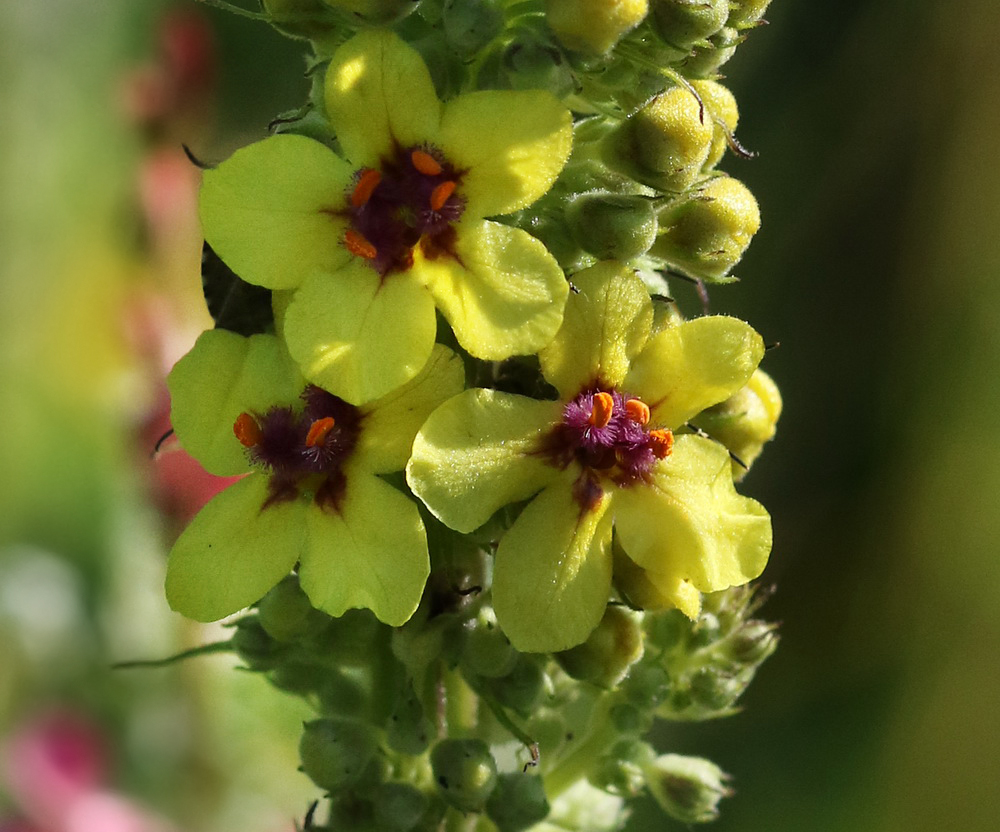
612 226
683 22
471 24
605 657
687 788
721 106
310 19
408 730
629 720
593 26
647 685
523 688
465 773
745 421
255 646
665 144
530 61
335 752
398 807
753 642
706 60
706 233
621 771
716 690
286 614
746 13
486 650
518 802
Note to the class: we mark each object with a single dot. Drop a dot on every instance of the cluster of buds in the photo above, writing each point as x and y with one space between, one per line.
488 526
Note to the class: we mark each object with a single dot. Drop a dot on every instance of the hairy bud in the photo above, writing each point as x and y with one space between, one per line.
465 773
593 26
688 788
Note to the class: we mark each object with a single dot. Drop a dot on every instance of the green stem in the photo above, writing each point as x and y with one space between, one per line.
238 10
576 763
203 650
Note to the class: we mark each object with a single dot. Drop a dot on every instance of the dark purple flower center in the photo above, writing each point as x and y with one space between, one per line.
302 450
411 200
607 434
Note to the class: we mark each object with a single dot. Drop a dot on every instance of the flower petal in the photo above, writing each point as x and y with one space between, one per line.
689 524
370 553
270 211
607 323
693 365
511 144
224 375
476 453
651 590
358 335
233 552
552 575
502 293
392 421
380 94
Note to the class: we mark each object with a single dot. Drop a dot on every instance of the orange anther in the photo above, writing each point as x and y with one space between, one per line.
365 187
662 443
318 431
359 246
440 195
247 430
425 163
637 411
601 409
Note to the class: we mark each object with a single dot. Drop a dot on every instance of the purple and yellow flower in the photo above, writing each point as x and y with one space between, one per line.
313 496
371 246
601 464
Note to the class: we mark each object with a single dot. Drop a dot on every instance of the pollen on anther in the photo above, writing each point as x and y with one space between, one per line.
318 431
602 408
359 246
661 442
367 182
247 430
425 163
440 195
637 410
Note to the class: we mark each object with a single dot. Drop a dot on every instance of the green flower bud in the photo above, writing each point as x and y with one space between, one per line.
630 720
647 685
609 651
523 688
665 144
746 13
469 25
688 788
286 614
612 226
486 650
752 643
705 61
310 19
518 802
714 689
721 105
745 421
349 640
706 233
531 62
335 752
408 730
667 629
621 771
341 694
255 647
683 22
398 807
465 773
350 813
593 26
375 12
298 677
547 726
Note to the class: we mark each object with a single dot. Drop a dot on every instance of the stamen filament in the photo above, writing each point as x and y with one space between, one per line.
359 246
318 431
602 408
637 410
441 194
425 163
365 187
661 442
247 430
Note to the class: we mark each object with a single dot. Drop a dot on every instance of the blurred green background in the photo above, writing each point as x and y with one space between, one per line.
876 269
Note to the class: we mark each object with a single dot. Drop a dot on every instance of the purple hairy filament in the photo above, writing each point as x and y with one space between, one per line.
607 434
410 201
302 451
